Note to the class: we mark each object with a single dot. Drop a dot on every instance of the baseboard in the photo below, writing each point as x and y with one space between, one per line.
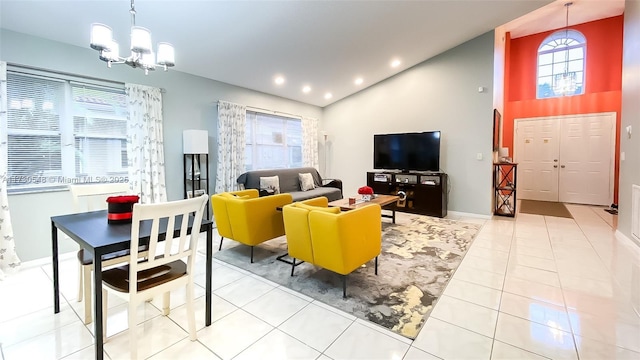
471 215
625 239
46 260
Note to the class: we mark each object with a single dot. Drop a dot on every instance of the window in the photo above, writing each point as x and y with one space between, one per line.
563 52
61 131
273 142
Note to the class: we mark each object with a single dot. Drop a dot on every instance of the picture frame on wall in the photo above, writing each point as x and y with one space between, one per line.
497 119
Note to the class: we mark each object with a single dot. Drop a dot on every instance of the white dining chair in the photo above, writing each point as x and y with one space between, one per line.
171 268
92 197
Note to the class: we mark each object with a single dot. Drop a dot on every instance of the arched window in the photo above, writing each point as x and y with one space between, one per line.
561 64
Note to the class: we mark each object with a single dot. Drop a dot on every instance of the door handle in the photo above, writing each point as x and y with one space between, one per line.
555 160
562 166
555 166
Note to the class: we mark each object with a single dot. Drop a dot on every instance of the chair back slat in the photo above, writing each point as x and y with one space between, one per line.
163 218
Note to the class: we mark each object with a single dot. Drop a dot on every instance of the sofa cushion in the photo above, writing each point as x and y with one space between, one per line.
306 181
330 193
271 183
289 181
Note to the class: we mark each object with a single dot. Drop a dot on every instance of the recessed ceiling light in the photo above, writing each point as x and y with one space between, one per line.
358 81
395 63
306 89
279 80
328 96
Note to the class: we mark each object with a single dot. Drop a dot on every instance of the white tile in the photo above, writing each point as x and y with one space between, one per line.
480 277
488 254
537 338
178 297
219 309
487 243
361 342
54 344
233 333
533 262
534 290
36 323
316 326
185 349
448 341
466 315
335 310
384 330
537 311
534 275
532 251
417 354
88 353
277 345
33 292
497 266
605 329
543 244
607 305
502 351
276 306
477 294
243 291
222 276
118 320
159 331
589 349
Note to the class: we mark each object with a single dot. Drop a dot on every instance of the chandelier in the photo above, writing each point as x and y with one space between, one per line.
142 55
565 83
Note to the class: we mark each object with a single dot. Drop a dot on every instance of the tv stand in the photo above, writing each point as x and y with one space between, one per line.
422 193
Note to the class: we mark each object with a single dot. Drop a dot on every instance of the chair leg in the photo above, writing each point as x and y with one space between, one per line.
166 303
220 247
105 296
191 318
86 279
344 286
132 329
252 254
80 283
293 265
376 265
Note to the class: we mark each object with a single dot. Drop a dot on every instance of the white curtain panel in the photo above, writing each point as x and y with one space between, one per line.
9 261
310 142
232 120
145 144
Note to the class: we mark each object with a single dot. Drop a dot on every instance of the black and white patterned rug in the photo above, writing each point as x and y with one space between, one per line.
418 258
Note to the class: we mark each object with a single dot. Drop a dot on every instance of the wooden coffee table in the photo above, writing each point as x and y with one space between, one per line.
381 200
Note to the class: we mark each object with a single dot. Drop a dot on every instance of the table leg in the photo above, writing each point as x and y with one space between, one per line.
393 216
97 302
56 274
208 290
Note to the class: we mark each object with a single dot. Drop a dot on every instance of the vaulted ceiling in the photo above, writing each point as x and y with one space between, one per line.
325 45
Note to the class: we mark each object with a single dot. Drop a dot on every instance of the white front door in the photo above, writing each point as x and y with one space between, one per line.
536 151
567 158
586 159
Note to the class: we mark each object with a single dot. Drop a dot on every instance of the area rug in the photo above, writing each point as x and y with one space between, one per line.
418 258
547 208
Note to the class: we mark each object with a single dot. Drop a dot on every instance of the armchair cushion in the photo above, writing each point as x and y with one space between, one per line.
332 210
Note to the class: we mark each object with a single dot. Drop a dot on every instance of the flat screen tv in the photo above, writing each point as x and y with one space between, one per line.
407 151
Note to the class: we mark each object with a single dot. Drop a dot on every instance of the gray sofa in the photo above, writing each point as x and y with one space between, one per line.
289 183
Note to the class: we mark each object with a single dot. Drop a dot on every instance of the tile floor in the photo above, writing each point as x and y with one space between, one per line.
532 287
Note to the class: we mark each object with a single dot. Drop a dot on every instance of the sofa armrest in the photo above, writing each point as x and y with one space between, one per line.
335 183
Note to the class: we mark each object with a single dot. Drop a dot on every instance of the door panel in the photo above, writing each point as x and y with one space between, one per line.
586 154
536 151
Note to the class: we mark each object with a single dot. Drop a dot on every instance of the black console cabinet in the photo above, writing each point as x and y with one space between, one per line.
420 193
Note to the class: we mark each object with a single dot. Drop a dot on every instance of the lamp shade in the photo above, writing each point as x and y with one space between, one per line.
101 36
195 142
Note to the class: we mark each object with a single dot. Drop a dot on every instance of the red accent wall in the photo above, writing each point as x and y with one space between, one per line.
603 80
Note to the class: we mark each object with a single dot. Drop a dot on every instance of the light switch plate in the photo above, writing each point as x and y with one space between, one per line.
479 156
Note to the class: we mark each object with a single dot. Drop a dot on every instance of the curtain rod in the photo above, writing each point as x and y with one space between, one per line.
27 67
268 111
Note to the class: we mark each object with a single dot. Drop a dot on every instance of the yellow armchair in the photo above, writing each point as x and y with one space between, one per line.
337 241
245 217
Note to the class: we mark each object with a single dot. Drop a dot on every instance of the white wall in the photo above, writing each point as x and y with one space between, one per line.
188 103
438 94
630 167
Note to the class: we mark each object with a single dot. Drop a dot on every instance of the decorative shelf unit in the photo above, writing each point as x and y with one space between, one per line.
504 185
196 164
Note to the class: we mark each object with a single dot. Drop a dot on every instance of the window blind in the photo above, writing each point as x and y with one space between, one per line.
61 131
272 142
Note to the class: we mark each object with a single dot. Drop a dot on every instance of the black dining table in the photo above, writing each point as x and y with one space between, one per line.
92 232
